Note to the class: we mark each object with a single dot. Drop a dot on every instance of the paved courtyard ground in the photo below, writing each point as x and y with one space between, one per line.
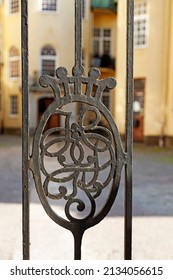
152 212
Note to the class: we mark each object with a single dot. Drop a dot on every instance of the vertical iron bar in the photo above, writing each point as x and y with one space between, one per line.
25 130
78 234
129 132
78 33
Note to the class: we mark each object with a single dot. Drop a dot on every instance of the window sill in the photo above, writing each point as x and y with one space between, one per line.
140 47
13 116
14 14
49 13
14 79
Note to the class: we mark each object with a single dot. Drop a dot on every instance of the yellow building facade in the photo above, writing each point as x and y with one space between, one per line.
153 92
11 67
51 44
1 48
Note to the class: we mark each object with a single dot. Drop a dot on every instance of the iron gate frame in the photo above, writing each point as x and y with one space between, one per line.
27 164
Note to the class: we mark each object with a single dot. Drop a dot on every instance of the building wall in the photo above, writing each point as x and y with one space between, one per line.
87 36
56 29
11 86
1 84
104 18
168 112
45 28
152 67
119 108
151 63
49 28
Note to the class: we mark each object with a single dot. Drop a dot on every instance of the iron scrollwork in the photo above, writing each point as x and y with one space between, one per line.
88 157
72 141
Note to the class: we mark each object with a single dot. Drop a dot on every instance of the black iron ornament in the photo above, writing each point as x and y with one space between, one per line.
88 158
81 171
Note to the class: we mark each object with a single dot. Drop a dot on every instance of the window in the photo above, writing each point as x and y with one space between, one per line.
102 48
49 5
48 61
139 90
106 99
140 23
14 63
14 6
13 105
102 41
138 109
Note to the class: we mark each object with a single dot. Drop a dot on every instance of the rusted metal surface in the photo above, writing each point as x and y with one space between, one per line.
25 130
81 151
129 133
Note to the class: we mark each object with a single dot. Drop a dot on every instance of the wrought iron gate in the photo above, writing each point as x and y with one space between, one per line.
81 173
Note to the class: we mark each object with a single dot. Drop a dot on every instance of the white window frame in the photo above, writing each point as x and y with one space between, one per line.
12 59
11 114
47 11
101 39
10 10
47 57
141 17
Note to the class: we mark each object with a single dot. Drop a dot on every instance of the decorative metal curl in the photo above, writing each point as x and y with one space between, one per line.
78 137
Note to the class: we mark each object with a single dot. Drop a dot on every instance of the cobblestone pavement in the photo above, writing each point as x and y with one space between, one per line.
152 210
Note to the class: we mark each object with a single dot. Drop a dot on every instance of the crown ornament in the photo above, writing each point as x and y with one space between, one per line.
94 86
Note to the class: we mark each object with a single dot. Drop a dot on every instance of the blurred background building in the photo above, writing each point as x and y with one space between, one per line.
51 44
153 54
